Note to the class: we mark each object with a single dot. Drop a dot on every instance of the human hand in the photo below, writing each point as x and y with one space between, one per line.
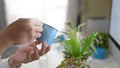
28 53
23 30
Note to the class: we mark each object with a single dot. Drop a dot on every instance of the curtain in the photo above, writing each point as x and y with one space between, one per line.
73 11
52 12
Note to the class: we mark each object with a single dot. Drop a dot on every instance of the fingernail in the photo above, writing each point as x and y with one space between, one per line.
44 42
37 42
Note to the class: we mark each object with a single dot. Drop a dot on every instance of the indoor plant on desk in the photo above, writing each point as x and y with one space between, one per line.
101 44
77 48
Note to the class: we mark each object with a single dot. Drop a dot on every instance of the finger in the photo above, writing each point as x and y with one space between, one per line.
48 49
38 29
36 51
43 49
37 35
38 23
35 56
24 49
28 58
29 54
27 47
19 57
33 44
37 42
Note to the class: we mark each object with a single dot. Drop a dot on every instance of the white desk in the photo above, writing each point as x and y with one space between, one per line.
106 63
55 56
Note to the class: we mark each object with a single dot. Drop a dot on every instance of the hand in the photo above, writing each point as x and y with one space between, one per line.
28 53
23 30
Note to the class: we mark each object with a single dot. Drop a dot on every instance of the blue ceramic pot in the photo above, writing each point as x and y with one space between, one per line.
100 53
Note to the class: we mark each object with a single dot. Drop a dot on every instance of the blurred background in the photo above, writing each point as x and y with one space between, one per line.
95 13
55 12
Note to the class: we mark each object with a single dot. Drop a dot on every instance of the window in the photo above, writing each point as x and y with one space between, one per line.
52 12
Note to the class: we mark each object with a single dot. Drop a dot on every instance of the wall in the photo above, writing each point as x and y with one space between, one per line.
100 8
96 8
115 52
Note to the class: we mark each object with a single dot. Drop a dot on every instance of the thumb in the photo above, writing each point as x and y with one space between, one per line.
25 49
29 46
35 43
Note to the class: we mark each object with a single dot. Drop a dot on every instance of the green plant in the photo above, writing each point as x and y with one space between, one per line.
101 40
77 45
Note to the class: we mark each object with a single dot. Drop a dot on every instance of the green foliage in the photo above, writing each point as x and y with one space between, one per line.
101 40
77 45
77 48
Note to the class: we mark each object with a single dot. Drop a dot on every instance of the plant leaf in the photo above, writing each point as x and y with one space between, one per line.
87 42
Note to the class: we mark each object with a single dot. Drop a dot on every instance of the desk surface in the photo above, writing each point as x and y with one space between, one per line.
55 56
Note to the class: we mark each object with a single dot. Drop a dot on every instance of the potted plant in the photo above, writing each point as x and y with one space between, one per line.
77 48
101 44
